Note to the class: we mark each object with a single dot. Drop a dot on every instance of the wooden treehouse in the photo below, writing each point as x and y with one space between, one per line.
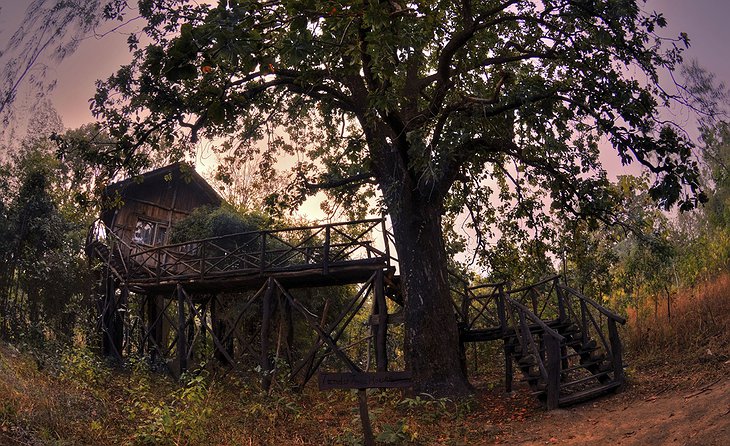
316 297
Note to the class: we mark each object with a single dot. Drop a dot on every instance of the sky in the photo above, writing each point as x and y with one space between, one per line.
704 20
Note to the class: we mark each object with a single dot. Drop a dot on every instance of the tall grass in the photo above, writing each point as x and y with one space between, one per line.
699 326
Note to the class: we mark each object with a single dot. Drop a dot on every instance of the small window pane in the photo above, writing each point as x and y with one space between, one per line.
143 232
160 236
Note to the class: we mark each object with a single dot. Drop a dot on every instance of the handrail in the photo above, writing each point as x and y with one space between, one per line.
608 313
263 232
487 285
527 287
554 334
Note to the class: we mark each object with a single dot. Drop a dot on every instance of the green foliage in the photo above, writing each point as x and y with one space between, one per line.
396 433
180 419
205 222
83 368
520 97
44 279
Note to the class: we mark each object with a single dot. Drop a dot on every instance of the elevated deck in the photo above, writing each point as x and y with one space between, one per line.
565 344
306 256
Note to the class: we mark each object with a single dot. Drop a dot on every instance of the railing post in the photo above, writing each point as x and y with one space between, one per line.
552 347
385 241
325 260
584 321
500 309
262 265
158 266
618 366
202 259
561 300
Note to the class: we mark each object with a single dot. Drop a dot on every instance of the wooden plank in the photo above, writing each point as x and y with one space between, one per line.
365 380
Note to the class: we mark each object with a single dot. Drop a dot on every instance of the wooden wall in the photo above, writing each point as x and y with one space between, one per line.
161 200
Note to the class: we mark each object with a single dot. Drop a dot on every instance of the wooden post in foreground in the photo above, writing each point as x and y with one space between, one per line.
363 381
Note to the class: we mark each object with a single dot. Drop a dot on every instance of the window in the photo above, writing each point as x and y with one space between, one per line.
149 233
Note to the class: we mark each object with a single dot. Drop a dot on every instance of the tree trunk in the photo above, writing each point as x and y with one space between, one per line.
432 337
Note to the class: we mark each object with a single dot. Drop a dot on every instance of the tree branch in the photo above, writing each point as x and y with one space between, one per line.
359 179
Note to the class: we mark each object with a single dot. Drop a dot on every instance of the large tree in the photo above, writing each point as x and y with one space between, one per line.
437 105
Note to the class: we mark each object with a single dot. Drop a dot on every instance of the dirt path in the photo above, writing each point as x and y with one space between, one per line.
666 411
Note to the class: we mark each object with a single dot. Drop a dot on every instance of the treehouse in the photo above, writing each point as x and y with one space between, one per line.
235 298
151 203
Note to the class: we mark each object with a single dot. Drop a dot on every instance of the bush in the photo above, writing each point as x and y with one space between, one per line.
205 222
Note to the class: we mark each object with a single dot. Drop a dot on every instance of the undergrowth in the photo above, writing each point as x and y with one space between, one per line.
697 331
71 397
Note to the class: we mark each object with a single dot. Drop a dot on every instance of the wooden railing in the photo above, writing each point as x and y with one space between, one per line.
481 307
595 322
291 249
541 347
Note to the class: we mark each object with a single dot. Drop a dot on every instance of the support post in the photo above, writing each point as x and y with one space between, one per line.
266 367
367 430
618 366
125 330
182 339
381 338
553 372
111 326
219 331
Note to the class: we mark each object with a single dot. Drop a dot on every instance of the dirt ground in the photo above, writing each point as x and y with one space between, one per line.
662 408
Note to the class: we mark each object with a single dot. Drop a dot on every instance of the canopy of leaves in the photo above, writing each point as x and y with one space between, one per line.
44 278
462 103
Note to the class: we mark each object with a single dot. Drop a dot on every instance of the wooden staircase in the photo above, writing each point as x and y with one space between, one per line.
565 345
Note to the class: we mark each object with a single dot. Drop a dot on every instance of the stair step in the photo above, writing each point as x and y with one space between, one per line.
579 353
583 365
587 394
530 379
582 380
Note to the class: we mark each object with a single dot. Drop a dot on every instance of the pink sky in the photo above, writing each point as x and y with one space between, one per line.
704 20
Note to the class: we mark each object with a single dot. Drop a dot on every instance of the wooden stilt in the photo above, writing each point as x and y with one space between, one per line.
367 430
266 366
381 309
182 341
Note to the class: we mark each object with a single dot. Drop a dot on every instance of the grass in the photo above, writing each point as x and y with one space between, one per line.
698 330
76 399
82 401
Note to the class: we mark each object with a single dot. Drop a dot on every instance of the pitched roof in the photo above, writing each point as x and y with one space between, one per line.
174 171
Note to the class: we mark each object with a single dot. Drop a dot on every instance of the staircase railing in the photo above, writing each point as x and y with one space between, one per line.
542 298
481 307
541 348
595 322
